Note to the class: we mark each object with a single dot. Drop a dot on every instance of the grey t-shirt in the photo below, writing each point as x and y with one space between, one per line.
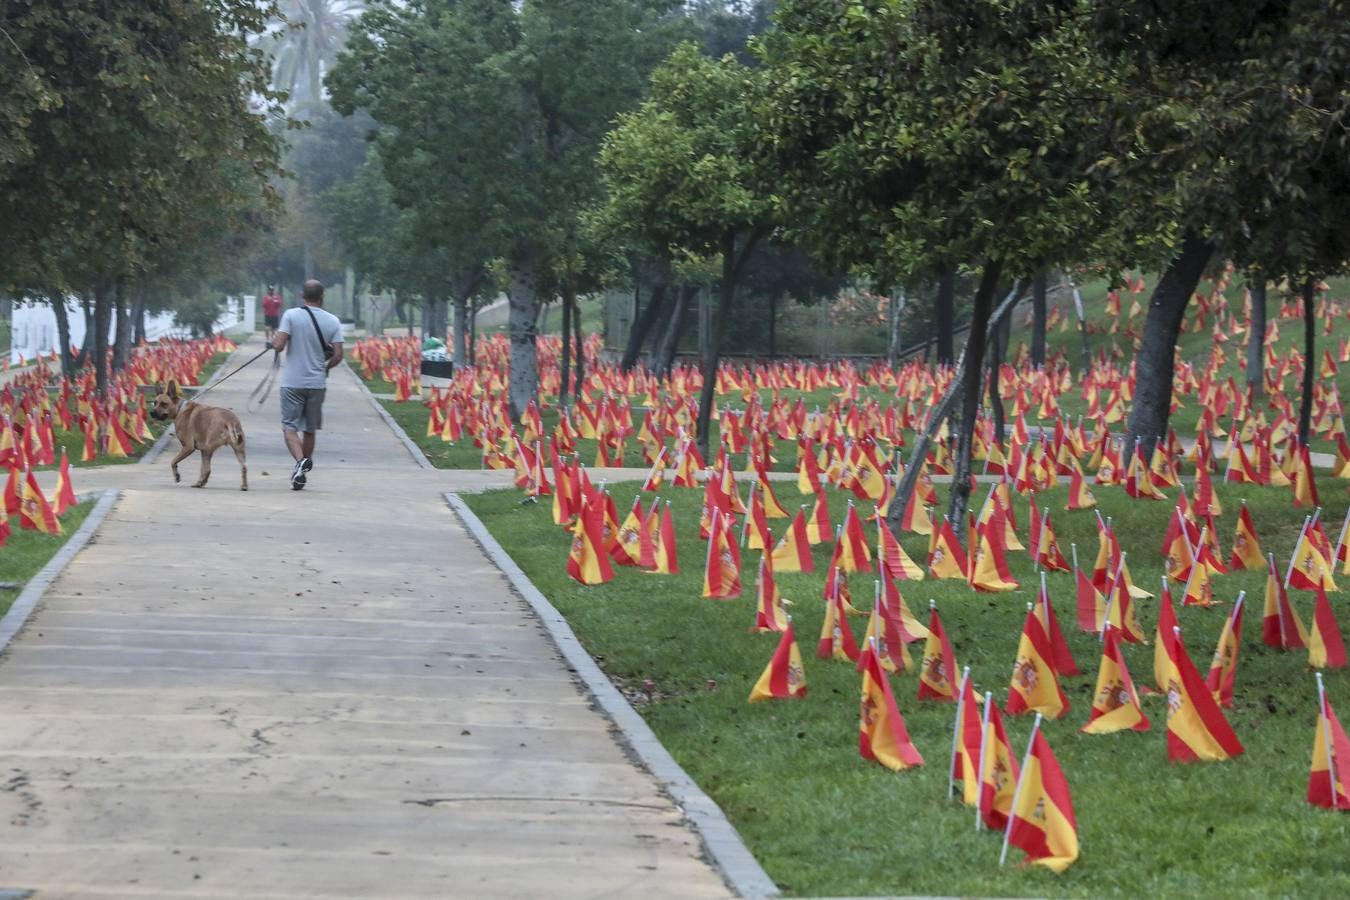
305 366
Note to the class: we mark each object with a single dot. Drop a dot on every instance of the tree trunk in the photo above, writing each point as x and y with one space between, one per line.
1038 291
894 311
579 362
103 310
565 359
773 326
1256 341
524 310
945 317
138 319
970 393
1309 362
642 326
122 338
473 334
1002 332
670 336
58 301
1157 351
924 439
1085 365
712 355
461 343
86 303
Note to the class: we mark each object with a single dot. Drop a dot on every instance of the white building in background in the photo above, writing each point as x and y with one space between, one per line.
32 325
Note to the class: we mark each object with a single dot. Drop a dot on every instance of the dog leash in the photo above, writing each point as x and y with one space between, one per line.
256 402
219 381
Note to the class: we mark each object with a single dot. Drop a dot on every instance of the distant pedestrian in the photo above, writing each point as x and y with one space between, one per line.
271 304
316 349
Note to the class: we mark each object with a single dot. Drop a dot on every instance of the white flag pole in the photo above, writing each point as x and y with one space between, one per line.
1017 791
956 730
979 766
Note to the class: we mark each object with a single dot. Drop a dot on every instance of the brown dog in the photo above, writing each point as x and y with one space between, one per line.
200 428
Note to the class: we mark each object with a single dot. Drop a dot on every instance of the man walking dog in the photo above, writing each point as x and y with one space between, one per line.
313 338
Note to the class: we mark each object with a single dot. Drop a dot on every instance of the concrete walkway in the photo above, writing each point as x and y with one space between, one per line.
312 694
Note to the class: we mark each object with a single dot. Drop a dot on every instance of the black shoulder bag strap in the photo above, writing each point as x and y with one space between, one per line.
326 347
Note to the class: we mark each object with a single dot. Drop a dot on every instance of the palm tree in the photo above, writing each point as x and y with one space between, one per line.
305 43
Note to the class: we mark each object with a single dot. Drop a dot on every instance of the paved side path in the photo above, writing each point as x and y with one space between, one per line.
323 693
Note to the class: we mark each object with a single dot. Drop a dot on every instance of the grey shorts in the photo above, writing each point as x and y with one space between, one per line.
302 409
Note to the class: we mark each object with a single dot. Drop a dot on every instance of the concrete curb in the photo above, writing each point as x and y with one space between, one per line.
32 592
411 446
723 845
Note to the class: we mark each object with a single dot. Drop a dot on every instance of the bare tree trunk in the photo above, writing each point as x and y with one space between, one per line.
945 316
642 325
1157 351
122 339
1256 341
670 337
1038 292
940 411
970 393
580 363
58 302
524 310
712 355
103 310
86 303
565 359
1309 362
461 345
895 310
1002 332
138 319
473 333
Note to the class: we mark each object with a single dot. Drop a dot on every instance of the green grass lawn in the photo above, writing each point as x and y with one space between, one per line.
823 821
28 551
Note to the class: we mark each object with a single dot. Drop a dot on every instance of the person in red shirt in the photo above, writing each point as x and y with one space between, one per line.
271 304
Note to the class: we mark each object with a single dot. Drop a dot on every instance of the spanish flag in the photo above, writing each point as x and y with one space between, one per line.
1080 497
1196 726
1280 625
1091 604
792 553
1311 568
894 558
916 519
851 552
988 566
883 632
1167 620
1305 486
819 529
586 561
966 745
1061 658
769 613
667 559
722 566
1331 755
911 629
65 493
1115 703
1042 822
882 736
1223 669
947 559
836 638
784 677
630 533
757 524
1326 650
1044 545
772 508
937 674
1034 687
998 769
808 473
1246 547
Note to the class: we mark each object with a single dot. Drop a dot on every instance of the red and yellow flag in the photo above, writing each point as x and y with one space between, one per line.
586 561
722 566
1115 703
937 674
65 493
769 612
792 553
882 736
1223 669
35 513
1196 726
969 728
988 564
1280 625
1328 779
836 638
1042 821
1326 649
998 769
1034 687
894 557
667 558
1246 547
784 677
947 559
1091 604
